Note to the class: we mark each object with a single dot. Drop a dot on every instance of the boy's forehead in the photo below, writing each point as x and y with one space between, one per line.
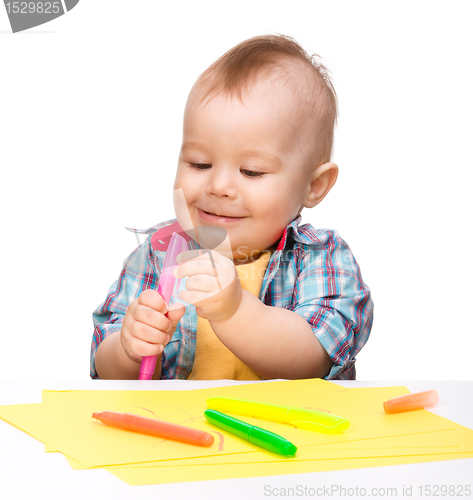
264 116
273 95
291 95
290 110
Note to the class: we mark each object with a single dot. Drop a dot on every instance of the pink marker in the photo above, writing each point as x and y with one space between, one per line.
176 246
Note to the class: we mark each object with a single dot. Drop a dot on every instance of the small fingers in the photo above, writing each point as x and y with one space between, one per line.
149 334
153 299
193 263
202 283
145 340
139 349
151 317
193 297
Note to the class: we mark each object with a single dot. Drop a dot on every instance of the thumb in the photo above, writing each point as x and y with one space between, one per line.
175 313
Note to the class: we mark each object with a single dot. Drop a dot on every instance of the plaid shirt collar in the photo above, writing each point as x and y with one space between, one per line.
162 233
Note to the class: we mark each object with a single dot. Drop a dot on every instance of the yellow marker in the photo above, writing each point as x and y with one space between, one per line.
310 420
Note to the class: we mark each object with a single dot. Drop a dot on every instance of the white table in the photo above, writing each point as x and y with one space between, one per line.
28 472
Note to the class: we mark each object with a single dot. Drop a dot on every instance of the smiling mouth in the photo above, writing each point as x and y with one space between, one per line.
223 216
217 215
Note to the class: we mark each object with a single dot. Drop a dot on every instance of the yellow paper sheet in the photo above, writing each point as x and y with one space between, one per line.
131 449
67 424
63 422
177 474
429 443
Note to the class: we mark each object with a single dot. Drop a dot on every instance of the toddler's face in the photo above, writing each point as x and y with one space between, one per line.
243 162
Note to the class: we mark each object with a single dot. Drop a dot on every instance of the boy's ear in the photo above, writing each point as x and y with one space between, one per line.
321 182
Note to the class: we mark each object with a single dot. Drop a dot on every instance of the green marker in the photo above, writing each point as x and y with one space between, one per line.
256 435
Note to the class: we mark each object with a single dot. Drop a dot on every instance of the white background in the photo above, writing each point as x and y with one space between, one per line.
91 109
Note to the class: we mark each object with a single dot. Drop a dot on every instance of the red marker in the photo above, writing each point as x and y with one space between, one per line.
130 422
413 401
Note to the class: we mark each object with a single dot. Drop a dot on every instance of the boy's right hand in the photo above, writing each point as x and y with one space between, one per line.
145 329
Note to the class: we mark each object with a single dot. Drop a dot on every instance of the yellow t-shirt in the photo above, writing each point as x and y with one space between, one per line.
213 360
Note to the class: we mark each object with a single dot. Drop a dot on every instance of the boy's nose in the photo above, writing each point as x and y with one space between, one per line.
222 183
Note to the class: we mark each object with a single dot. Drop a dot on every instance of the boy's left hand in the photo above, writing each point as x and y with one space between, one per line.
216 296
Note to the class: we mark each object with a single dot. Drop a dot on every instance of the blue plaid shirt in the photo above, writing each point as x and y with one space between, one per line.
312 272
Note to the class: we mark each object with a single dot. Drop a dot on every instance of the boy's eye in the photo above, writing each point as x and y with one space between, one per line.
253 173
200 166
205 166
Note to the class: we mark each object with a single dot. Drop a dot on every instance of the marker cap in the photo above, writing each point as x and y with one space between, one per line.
413 401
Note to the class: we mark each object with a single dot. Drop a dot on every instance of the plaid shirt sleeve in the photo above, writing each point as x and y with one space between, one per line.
138 274
332 297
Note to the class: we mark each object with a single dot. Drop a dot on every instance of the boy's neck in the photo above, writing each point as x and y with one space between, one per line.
253 258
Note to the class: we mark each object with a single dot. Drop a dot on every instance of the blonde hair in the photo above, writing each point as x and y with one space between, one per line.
264 57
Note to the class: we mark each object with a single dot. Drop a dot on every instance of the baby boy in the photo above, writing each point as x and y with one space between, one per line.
256 150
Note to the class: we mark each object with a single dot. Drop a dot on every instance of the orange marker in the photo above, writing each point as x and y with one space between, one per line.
413 401
130 422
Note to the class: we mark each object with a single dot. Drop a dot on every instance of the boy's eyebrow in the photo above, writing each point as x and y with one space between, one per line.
264 156
258 154
190 145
